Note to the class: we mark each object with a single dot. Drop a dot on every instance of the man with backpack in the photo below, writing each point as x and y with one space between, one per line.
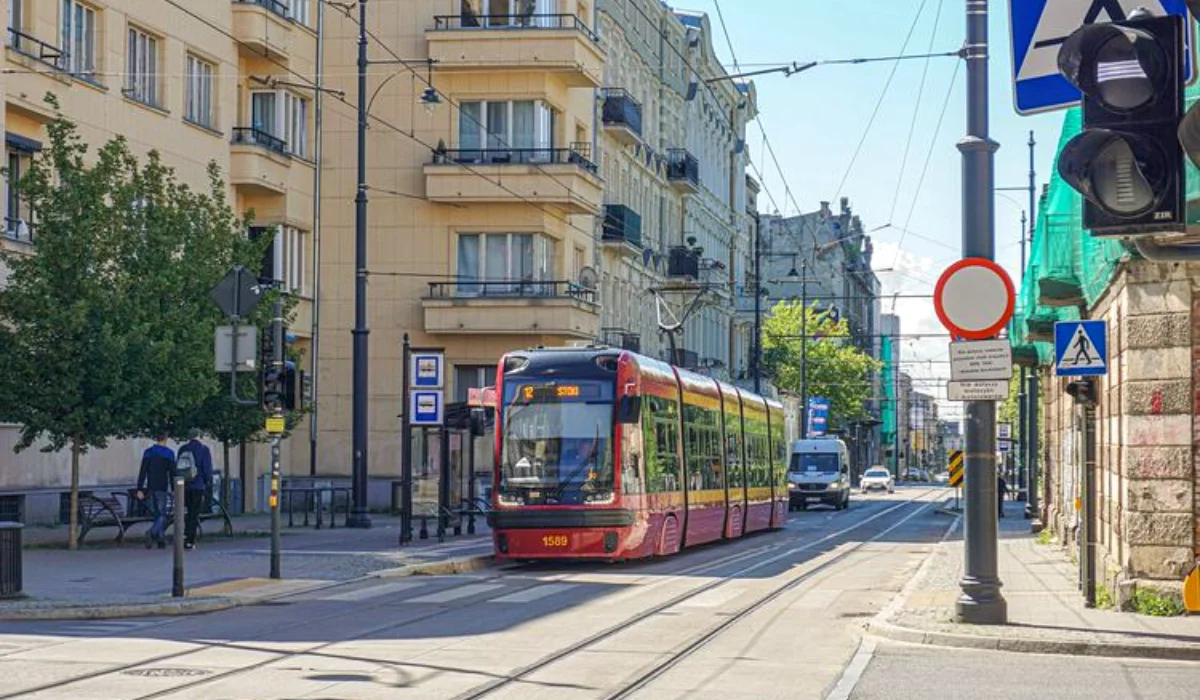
154 481
195 457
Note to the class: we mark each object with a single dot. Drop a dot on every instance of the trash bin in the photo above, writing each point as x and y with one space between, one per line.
10 560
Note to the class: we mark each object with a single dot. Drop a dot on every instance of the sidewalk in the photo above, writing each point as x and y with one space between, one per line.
1046 613
105 579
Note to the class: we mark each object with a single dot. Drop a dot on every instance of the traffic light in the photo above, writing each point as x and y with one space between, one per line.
274 392
1128 160
1083 391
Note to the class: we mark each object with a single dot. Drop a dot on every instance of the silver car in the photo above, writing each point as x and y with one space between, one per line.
878 478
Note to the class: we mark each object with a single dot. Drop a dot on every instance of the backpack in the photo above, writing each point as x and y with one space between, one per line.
185 464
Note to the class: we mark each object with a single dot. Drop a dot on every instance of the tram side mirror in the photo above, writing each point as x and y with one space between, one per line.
629 409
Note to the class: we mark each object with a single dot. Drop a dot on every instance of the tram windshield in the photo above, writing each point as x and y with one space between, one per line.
557 443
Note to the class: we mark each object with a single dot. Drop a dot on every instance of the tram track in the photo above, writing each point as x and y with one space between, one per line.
281 656
700 641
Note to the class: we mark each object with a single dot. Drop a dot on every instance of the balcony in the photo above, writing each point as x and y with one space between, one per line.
511 307
560 44
259 160
683 170
28 45
264 27
622 116
563 177
686 359
683 263
623 228
622 338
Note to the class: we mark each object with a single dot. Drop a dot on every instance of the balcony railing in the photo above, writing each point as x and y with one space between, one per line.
35 48
511 289
257 137
622 338
275 6
683 166
620 109
577 154
523 21
622 225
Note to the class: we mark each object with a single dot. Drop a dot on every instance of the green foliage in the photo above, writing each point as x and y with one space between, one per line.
106 331
836 369
1104 597
1151 602
1008 412
1045 537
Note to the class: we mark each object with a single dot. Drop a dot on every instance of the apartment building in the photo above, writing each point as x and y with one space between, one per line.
198 82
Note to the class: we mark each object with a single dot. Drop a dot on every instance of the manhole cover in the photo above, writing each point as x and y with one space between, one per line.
166 672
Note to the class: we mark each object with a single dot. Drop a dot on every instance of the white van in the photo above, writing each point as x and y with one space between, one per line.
819 471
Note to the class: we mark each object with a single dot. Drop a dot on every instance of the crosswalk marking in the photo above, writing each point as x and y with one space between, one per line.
535 593
456 593
106 628
372 591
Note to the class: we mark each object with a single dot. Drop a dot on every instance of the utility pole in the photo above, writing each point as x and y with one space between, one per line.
804 349
277 364
358 513
1030 434
756 354
981 601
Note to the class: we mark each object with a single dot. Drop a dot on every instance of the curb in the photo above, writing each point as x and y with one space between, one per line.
198 606
1035 646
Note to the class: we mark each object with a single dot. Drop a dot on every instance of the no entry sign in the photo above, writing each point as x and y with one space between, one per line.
974 298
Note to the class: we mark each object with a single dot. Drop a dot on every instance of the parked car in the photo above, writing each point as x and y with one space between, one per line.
878 478
942 478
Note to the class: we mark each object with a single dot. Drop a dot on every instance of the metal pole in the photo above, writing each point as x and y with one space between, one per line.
981 601
177 570
1089 505
443 485
1022 426
1032 454
756 361
358 514
406 533
276 527
804 349
471 476
318 144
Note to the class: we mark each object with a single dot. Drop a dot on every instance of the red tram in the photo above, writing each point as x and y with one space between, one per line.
606 454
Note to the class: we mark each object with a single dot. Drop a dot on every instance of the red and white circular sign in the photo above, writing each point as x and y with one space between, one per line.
974 298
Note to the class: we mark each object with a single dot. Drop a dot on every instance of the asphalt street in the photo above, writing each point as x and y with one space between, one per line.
776 615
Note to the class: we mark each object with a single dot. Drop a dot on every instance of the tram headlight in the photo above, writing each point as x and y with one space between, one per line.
508 499
599 497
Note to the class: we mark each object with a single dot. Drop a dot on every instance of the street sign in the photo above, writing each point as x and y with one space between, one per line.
1004 431
237 293
1039 28
247 348
974 298
276 425
980 359
427 370
426 407
1080 348
818 416
989 390
1004 445
956 467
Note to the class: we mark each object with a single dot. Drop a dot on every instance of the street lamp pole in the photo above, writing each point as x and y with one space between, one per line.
981 601
804 349
358 513
756 355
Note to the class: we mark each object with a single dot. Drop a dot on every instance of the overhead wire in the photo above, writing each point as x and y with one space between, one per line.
912 127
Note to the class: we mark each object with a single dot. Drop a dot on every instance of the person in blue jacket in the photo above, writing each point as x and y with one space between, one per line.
197 489
154 482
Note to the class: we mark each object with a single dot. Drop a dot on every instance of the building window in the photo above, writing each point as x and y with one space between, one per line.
299 11
520 130
15 20
198 106
509 13
141 67
283 115
283 260
489 263
18 215
78 31
467 377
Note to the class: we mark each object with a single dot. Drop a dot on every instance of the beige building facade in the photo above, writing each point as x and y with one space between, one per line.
199 83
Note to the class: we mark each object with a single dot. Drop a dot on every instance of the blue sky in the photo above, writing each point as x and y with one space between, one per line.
816 119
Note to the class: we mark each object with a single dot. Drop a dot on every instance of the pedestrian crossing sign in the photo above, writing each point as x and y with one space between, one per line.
1080 349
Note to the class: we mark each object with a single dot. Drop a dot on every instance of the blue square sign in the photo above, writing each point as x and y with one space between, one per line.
1081 349
1039 28
426 407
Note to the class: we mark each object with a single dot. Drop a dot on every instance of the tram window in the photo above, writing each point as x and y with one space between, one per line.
733 451
661 451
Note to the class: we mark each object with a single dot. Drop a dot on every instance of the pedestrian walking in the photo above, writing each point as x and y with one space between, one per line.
1001 492
153 485
199 487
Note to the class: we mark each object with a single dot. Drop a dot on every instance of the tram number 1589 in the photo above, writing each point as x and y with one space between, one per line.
555 541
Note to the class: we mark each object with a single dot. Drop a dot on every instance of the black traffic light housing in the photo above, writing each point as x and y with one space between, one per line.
278 387
1083 390
1128 160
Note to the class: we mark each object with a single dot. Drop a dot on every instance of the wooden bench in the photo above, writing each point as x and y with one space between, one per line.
114 510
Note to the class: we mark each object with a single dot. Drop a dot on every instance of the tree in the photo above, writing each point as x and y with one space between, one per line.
836 370
108 327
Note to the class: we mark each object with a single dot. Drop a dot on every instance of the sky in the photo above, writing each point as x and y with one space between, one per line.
815 121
